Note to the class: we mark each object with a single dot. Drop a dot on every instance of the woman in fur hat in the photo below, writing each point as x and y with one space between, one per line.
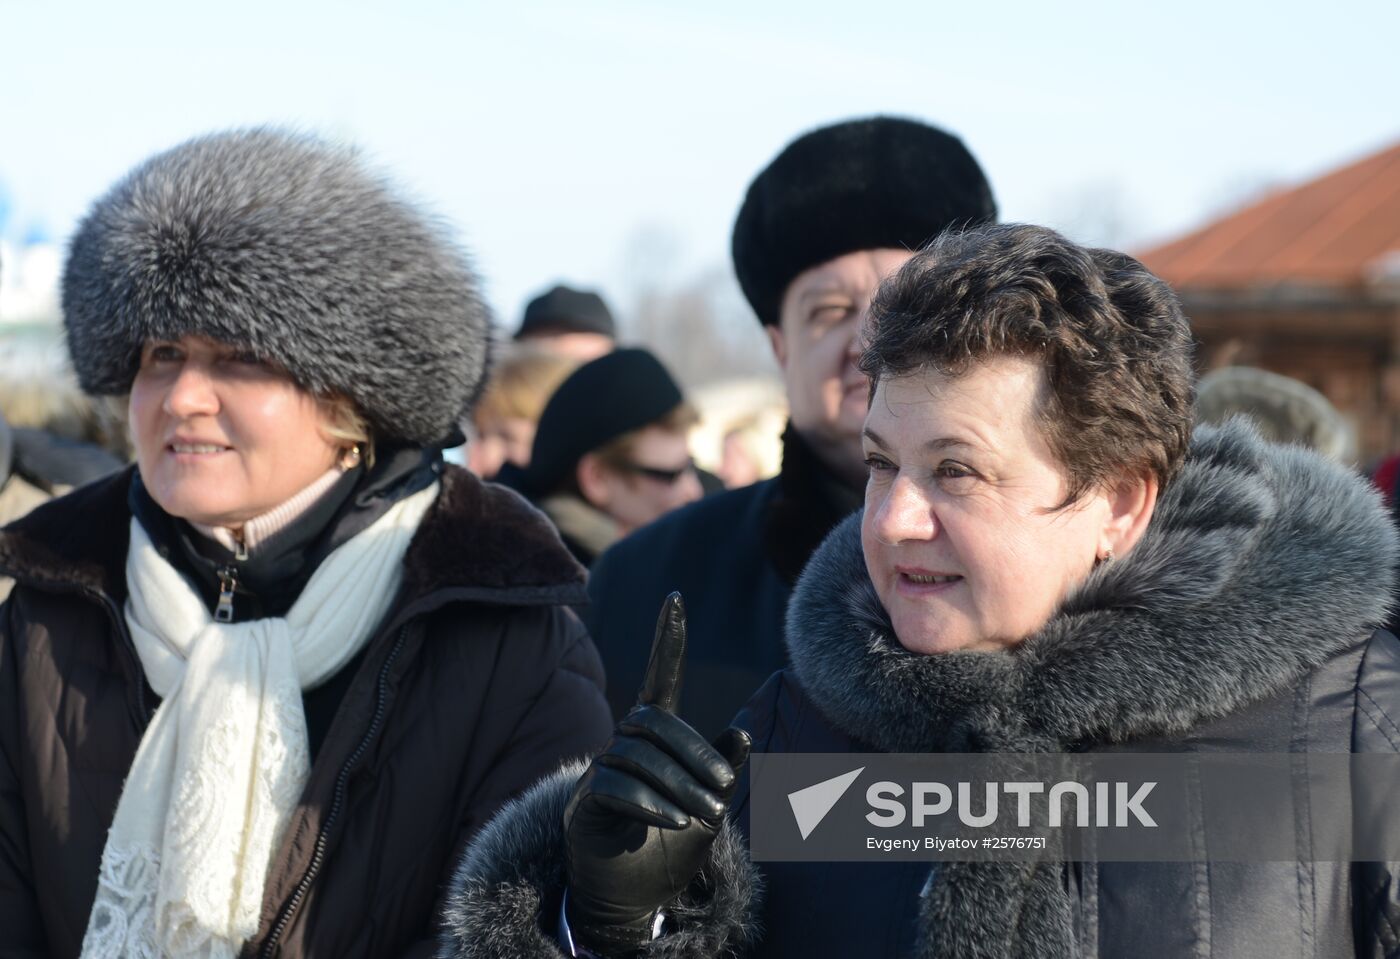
259 689
1047 562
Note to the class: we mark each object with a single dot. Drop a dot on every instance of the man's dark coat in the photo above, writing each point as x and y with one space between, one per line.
734 557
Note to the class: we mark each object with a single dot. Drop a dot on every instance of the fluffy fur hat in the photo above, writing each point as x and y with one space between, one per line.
857 185
287 246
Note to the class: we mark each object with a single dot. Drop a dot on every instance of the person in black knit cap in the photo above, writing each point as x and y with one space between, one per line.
611 452
569 322
835 213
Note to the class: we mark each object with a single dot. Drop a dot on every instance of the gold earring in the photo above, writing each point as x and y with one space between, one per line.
1107 556
351 458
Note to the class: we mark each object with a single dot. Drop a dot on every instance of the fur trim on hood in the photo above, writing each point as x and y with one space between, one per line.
505 899
1261 562
289 247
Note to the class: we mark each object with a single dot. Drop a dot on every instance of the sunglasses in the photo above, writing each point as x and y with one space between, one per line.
669 477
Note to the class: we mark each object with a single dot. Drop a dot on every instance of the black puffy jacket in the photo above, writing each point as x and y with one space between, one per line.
479 681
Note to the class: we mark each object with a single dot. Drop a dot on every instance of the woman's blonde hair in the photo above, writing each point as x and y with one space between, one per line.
521 384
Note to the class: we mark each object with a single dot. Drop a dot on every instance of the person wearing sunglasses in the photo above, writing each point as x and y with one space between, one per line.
611 453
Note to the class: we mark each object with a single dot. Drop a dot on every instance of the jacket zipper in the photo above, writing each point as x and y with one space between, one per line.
228 582
341 782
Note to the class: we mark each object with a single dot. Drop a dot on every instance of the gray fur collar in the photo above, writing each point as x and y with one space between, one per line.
1261 562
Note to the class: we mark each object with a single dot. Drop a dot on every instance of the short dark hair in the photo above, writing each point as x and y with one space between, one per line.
1114 343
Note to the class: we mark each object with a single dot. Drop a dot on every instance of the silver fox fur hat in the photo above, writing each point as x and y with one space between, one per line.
290 247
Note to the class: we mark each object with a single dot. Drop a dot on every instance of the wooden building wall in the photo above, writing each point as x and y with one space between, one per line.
1349 350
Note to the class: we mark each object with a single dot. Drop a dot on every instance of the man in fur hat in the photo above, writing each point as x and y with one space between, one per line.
835 213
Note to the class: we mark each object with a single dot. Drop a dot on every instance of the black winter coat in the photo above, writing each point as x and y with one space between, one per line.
734 557
479 681
1244 621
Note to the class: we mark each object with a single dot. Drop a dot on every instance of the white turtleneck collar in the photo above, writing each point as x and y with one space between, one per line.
260 529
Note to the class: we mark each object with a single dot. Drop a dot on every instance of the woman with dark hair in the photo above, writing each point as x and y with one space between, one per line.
1047 562
257 691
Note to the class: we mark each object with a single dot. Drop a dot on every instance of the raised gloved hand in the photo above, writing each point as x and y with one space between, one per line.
640 822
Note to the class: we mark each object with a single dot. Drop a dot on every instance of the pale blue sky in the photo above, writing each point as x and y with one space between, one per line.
549 134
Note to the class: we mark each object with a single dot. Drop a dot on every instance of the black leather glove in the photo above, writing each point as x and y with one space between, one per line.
641 819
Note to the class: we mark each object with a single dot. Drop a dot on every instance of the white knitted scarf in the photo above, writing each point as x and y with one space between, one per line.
221 767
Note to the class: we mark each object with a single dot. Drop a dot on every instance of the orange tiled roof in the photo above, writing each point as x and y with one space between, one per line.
1330 231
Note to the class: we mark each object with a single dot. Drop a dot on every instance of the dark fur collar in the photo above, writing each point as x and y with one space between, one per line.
809 502
1261 562
478 537
483 537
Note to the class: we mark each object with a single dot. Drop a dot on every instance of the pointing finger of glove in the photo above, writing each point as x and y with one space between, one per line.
662 773
627 796
676 737
666 667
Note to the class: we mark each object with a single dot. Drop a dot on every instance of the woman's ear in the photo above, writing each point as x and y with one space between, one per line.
1130 505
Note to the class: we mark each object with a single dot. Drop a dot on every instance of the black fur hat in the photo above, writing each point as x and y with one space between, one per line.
288 246
857 185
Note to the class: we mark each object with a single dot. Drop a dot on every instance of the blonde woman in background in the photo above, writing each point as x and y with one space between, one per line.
505 417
